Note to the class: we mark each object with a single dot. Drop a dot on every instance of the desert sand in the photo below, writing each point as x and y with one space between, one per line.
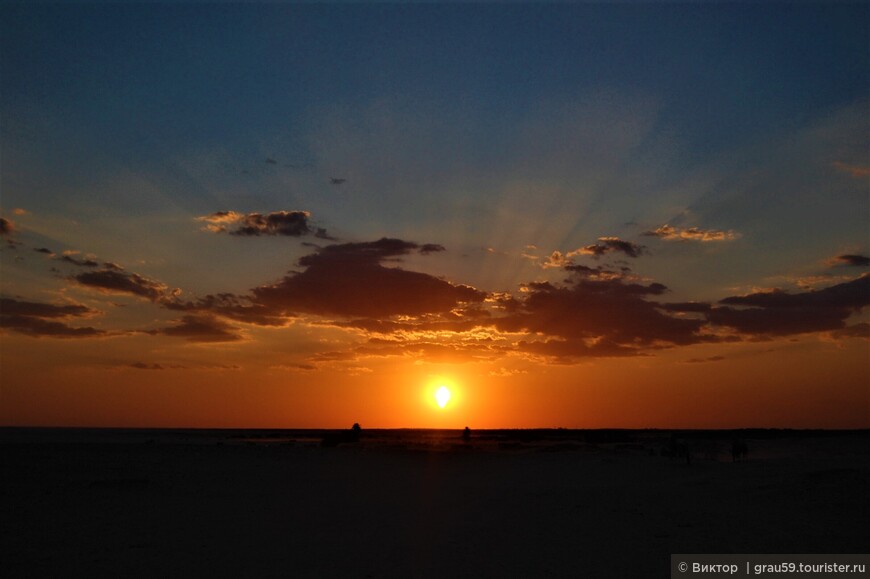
418 504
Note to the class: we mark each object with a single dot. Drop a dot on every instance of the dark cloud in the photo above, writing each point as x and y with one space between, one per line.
227 305
39 319
114 279
285 223
610 244
7 227
13 307
779 313
567 351
596 317
44 250
704 360
145 366
851 295
686 307
851 259
460 351
202 328
350 280
428 248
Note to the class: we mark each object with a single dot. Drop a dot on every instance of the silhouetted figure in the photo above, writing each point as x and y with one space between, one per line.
355 432
739 450
678 449
466 434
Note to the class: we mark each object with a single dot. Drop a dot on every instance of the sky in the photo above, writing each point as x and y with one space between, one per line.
310 215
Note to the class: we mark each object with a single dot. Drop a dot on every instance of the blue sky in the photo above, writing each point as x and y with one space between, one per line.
503 133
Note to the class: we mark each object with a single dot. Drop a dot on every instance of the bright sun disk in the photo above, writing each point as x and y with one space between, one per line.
442 396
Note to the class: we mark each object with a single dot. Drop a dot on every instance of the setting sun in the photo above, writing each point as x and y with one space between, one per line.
442 396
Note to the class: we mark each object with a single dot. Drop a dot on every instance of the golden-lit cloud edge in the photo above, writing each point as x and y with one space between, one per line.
360 288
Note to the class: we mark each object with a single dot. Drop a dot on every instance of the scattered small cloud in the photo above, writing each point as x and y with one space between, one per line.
850 260
283 223
20 211
671 233
856 171
704 360
505 372
605 245
146 366
44 250
611 244
294 367
86 262
113 279
202 328
555 260
859 330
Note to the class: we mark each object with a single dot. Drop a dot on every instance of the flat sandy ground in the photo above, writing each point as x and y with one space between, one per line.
446 510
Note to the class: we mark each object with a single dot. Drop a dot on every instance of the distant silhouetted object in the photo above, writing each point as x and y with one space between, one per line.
335 438
677 448
337 180
739 450
466 434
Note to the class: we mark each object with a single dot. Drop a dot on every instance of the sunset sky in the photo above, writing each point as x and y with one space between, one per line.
584 216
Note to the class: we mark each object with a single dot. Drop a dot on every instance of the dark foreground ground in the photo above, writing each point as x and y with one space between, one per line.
418 505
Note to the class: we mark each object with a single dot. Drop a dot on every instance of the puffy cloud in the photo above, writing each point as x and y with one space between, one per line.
350 280
286 223
557 259
851 259
40 319
671 233
202 328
